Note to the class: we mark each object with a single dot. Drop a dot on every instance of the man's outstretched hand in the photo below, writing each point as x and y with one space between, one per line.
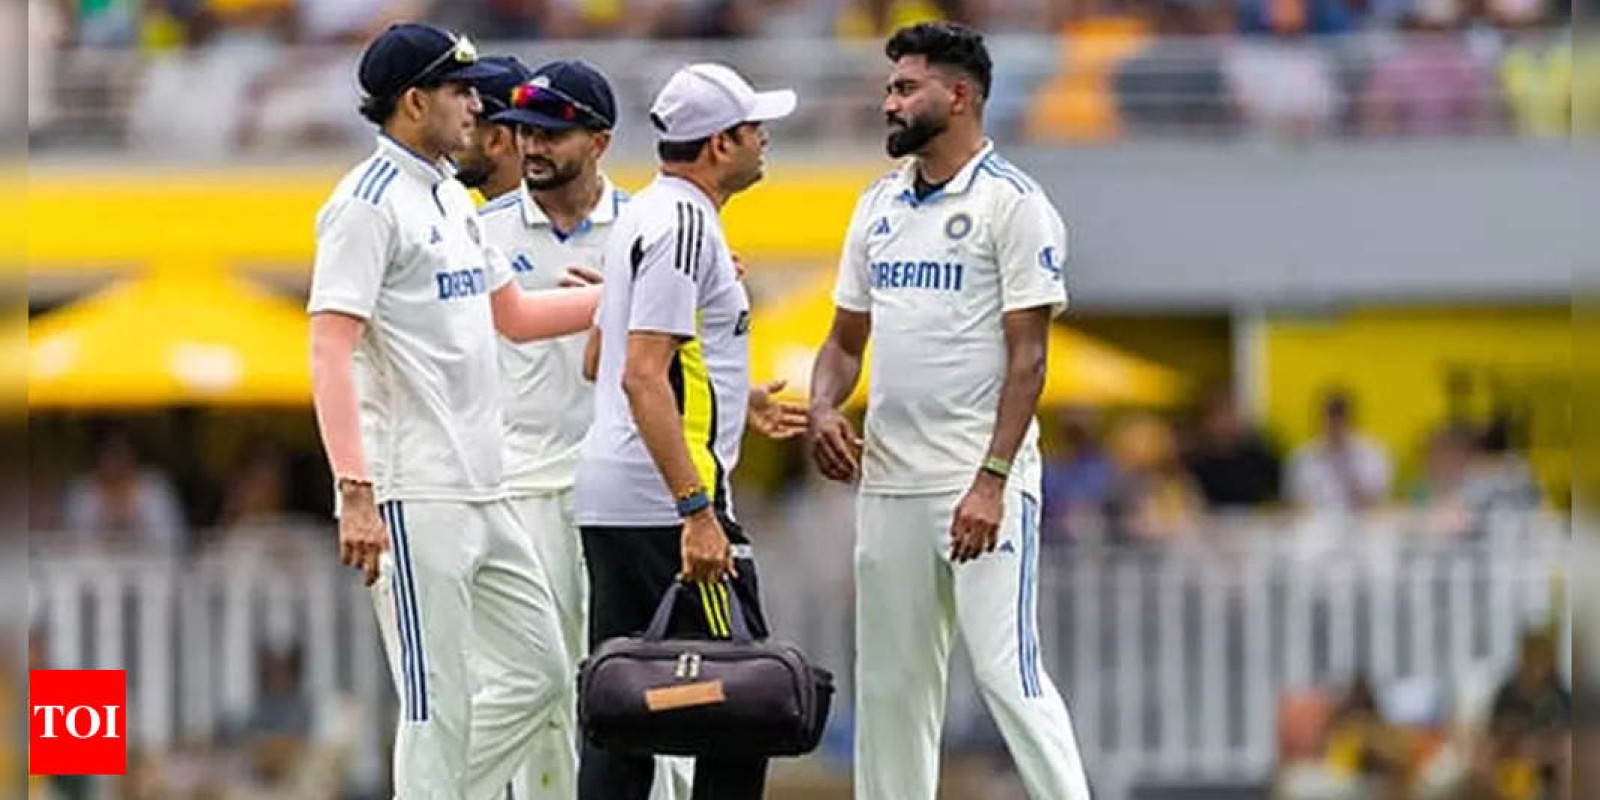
774 418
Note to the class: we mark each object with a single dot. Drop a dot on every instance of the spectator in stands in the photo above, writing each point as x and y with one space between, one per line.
1342 470
876 19
1433 85
1534 71
1314 17
1154 498
1175 85
258 494
1234 465
1363 744
1499 478
276 739
1078 102
1527 753
1341 749
122 503
1441 496
1284 85
1078 481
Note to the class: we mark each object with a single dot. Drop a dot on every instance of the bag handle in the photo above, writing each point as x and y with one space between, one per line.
669 602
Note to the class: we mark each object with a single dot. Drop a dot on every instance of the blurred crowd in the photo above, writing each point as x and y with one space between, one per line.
1122 478
161 24
1498 737
1115 69
1146 479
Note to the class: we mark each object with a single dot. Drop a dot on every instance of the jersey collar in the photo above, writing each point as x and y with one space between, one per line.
604 212
413 162
959 184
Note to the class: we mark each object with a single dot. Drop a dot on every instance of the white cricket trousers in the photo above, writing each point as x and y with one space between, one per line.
550 524
909 599
475 649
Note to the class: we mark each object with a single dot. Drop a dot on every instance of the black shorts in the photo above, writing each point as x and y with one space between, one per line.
630 569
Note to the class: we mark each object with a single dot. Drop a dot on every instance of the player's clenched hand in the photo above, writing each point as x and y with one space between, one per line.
707 556
834 444
775 418
579 276
362 535
977 519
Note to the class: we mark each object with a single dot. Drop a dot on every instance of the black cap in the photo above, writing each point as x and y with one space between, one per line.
561 95
495 90
411 54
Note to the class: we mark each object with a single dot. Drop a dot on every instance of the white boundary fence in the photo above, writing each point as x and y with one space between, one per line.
1172 657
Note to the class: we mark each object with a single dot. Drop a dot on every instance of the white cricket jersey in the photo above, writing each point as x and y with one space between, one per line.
668 270
399 244
937 275
548 404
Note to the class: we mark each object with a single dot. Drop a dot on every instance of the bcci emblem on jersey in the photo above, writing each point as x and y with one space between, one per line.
1050 261
958 225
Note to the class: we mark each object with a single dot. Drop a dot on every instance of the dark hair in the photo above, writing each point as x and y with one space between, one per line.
681 152
378 110
945 44
689 152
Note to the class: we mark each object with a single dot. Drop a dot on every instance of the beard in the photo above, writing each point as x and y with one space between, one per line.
559 175
472 176
913 135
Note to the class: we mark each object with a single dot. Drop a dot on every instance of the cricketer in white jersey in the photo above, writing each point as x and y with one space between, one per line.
953 263
553 224
407 303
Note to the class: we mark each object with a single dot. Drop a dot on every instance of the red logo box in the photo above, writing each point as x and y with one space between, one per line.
78 722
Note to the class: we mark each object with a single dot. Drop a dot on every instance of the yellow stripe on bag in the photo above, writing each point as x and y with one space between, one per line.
727 611
710 606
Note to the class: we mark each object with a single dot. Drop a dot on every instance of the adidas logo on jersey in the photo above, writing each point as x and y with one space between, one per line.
1006 547
435 237
881 227
522 263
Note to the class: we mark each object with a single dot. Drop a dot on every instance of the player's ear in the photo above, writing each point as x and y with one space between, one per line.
719 145
961 95
413 103
505 139
600 141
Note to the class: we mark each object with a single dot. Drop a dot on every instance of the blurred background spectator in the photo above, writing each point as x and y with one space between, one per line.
122 503
1342 470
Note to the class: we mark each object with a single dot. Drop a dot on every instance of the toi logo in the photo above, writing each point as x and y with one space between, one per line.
77 722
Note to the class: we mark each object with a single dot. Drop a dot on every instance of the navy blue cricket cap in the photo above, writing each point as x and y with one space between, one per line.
562 95
495 91
411 54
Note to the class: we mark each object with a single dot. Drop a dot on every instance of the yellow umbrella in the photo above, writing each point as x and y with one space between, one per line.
1082 371
174 335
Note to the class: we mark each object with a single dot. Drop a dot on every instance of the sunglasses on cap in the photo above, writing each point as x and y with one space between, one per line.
462 51
556 104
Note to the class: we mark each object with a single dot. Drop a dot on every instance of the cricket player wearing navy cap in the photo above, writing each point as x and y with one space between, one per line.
952 264
408 300
491 164
552 225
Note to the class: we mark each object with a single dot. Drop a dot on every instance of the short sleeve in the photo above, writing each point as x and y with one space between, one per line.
500 272
355 243
852 289
1031 247
664 260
